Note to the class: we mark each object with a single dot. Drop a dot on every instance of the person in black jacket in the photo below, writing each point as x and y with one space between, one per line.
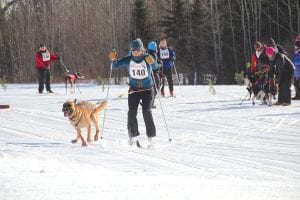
284 70
278 48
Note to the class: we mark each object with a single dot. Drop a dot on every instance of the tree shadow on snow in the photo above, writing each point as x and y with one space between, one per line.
279 114
36 144
227 107
211 102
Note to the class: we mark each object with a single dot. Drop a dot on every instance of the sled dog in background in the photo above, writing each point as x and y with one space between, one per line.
72 78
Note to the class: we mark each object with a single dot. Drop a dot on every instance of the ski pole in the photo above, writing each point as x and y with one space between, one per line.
107 93
78 88
244 99
162 110
113 43
178 80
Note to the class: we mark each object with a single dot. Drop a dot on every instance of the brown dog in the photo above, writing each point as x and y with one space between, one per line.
72 79
82 115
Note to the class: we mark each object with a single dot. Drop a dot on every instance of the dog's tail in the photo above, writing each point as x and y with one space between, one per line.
102 106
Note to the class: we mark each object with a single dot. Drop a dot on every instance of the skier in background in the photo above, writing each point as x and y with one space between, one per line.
152 50
167 57
43 59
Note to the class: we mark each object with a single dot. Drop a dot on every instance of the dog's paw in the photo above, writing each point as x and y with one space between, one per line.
74 141
90 141
96 137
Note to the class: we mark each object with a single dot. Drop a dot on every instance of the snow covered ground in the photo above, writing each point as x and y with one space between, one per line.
220 149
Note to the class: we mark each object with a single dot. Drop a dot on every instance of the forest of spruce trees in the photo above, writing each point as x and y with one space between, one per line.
209 36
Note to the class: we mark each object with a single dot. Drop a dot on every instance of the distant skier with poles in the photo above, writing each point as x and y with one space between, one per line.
167 57
140 65
296 61
152 50
43 59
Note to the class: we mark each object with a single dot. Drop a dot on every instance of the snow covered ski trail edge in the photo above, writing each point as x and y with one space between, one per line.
220 150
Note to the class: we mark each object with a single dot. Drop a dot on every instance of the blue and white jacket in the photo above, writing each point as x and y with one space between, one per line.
139 71
296 61
167 56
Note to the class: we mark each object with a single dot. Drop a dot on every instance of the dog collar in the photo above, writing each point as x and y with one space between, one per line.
76 124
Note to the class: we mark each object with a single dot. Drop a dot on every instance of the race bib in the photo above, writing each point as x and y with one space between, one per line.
46 56
164 54
138 70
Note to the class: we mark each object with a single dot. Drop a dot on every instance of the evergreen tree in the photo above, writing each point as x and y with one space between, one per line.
198 39
141 24
3 45
176 27
5 54
175 21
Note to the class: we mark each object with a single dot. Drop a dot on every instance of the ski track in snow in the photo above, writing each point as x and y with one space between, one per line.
220 149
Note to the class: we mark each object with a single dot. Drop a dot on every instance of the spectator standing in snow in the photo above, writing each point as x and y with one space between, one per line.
296 61
141 88
284 70
43 59
167 57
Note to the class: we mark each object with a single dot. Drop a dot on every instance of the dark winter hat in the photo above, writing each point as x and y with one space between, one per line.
42 45
271 42
136 44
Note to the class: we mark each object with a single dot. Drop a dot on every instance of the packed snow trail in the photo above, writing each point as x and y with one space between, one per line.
220 149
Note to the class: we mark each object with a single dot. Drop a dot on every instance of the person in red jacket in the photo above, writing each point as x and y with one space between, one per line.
259 63
43 60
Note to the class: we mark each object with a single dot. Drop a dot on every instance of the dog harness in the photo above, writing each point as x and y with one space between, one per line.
72 77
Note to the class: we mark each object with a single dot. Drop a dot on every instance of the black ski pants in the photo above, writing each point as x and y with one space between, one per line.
284 95
167 72
43 78
146 98
297 86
